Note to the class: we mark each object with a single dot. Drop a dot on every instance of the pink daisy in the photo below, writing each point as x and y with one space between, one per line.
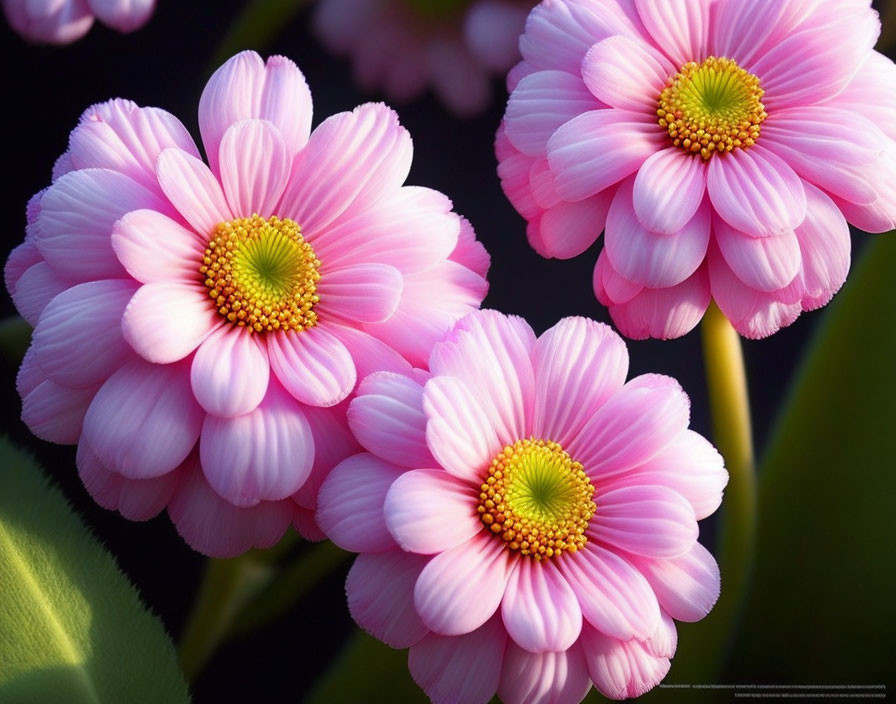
527 520
402 46
722 145
198 328
64 21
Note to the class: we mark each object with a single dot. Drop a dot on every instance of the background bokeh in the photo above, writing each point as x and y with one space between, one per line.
166 65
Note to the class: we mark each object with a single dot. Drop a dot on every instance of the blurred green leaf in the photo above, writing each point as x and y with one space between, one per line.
256 26
15 336
368 671
822 607
72 629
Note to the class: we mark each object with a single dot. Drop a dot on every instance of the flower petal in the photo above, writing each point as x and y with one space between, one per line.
543 678
380 591
193 189
686 586
36 287
540 609
56 413
363 293
313 365
144 421
763 263
568 229
626 73
461 588
230 372
78 339
350 503
254 162
621 670
756 192
166 320
153 247
668 190
679 27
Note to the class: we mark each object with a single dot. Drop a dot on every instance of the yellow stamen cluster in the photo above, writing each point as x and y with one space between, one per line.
537 499
262 274
712 107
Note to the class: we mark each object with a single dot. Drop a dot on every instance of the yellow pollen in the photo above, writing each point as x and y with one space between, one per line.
262 274
537 499
712 107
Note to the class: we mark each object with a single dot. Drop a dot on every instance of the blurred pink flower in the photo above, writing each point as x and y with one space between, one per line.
721 144
402 46
198 328
527 521
64 21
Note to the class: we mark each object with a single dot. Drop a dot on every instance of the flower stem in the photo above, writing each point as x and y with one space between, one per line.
222 592
730 406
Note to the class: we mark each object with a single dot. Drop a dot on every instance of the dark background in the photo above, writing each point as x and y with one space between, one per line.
166 65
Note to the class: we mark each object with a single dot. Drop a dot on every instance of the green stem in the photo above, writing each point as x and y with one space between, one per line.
222 592
730 406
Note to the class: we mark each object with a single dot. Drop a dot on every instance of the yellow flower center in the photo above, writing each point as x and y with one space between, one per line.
712 107
537 499
262 274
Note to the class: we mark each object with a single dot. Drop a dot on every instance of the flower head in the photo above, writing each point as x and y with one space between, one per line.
403 46
64 21
199 328
722 145
527 520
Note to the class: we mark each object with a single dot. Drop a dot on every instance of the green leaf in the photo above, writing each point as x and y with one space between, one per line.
72 629
368 671
822 606
15 336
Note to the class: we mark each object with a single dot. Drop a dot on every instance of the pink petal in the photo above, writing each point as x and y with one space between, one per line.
230 372
635 424
305 524
626 73
540 609
460 589
193 189
428 511
313 365
541 180
686 586
380 591
363 293
513 170
166 320
144 421
264 455
460 669
352 159
78 339
489 352
411 229
254 162
664 641
22 258
579 364
663 313
615 597
35 288
543 678
815 64
135 499
610 287
350 503
649 258
763 263
76 219
748 28
668 190
30 375
754 314
126 16
690 465
868 93
568 229
539 104
679 27
600 148
756 192
51 23
459 433
652 521
370 355
621 670
813 141
56 413
470 252
245 88
387 418
216 527
153 247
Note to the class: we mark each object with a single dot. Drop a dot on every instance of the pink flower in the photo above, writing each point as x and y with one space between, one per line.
198 328
402 46
723 145
527 521
64 21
